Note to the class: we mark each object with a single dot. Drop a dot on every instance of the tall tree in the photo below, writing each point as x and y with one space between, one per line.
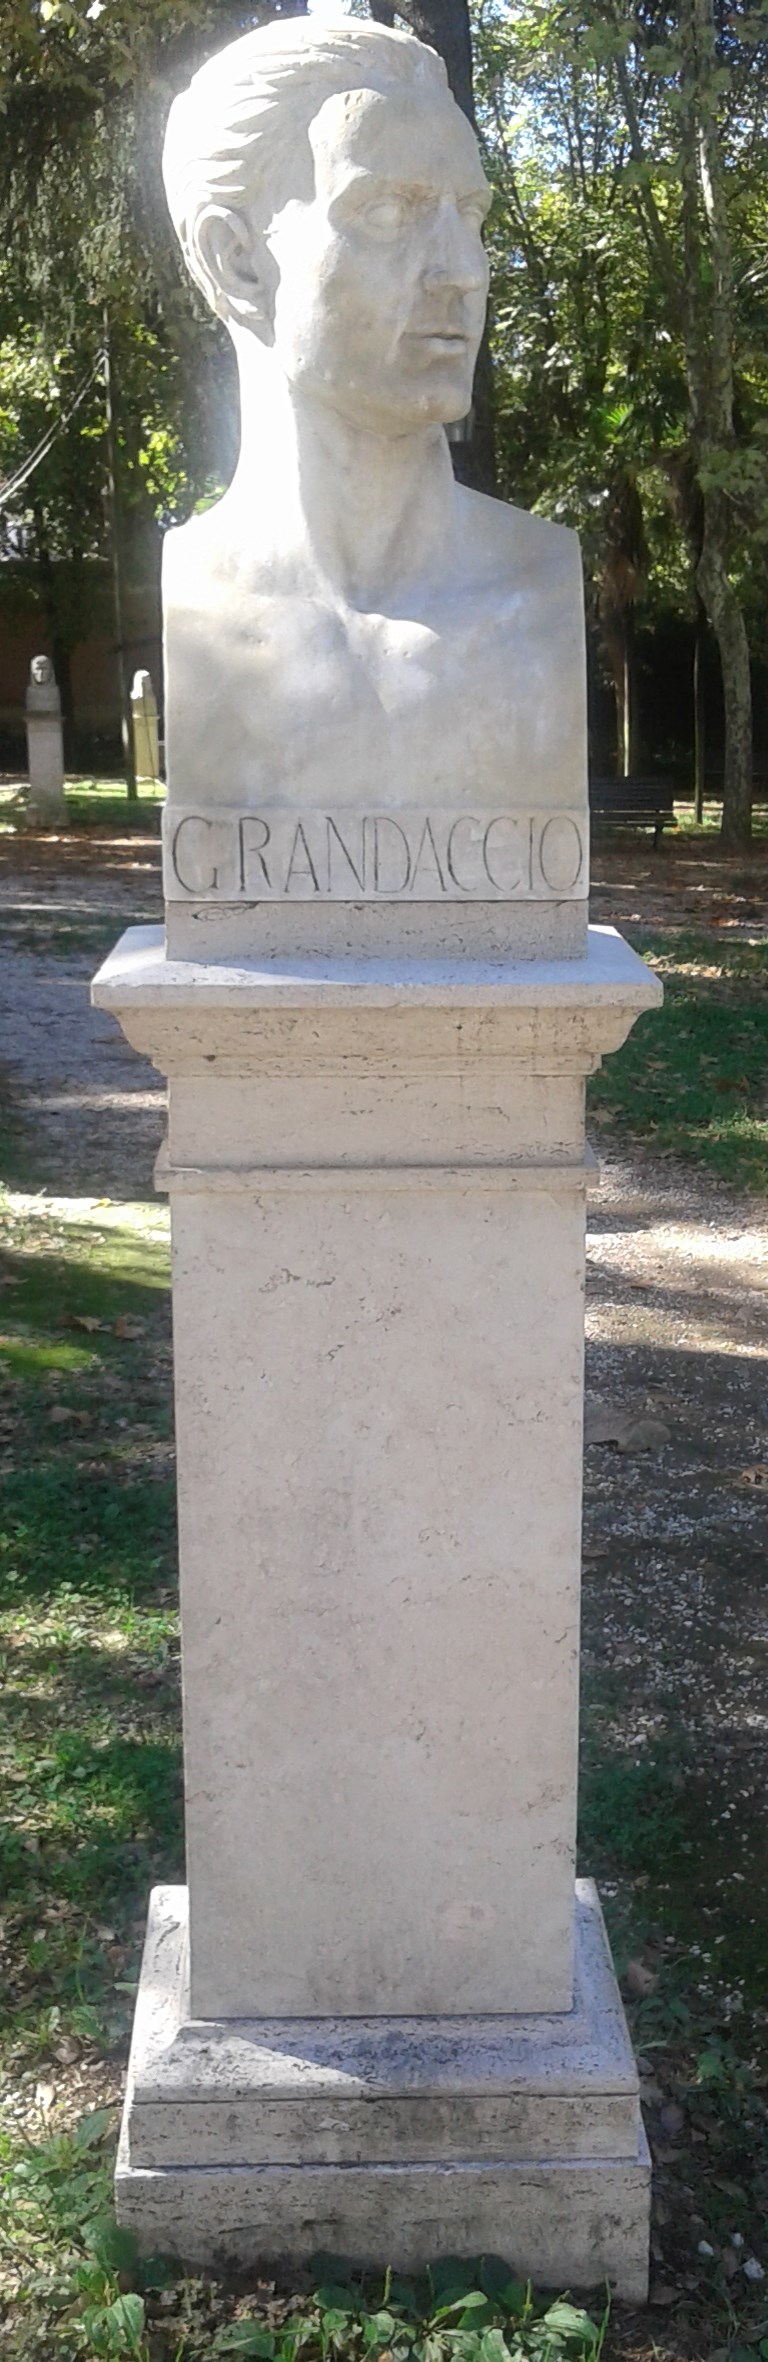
627 152
710 335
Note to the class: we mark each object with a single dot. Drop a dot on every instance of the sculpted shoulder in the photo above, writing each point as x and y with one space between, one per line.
513 544
194 562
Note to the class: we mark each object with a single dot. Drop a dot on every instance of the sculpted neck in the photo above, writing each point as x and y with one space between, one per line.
370 515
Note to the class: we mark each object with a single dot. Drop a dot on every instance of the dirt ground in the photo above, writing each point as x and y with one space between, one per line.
676 1602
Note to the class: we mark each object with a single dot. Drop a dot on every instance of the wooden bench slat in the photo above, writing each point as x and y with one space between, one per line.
633 803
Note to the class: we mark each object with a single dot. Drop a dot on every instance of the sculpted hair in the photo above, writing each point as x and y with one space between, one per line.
239 136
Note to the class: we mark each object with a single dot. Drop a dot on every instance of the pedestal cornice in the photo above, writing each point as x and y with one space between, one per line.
549 1016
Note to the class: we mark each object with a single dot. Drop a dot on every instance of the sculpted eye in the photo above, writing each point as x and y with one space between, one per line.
385 216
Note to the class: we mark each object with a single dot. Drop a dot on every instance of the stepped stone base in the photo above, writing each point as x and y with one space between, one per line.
251 2142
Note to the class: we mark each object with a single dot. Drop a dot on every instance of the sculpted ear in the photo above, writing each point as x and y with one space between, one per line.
232 265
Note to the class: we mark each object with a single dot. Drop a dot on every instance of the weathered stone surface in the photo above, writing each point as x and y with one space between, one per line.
405 2137
563 2224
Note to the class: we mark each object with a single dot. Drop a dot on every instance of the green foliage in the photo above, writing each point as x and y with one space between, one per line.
86 2273
630 326
459 2312
79 2266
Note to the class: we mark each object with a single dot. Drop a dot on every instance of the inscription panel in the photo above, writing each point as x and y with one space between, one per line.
275 855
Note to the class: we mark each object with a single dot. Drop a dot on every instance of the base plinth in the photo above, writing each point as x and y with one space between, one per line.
392 2140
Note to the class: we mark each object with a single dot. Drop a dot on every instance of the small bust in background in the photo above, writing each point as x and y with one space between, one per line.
43 694
45 743
348 622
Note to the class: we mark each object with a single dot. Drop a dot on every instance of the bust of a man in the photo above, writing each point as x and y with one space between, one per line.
349 632
42 688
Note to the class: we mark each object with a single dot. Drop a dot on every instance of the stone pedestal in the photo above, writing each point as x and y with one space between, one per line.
374 2034
146 744
45 745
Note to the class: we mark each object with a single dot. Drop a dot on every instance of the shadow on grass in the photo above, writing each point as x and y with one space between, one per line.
67 1533
104 1813
69 1278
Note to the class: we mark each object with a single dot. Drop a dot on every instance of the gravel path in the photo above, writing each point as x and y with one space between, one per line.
96 1110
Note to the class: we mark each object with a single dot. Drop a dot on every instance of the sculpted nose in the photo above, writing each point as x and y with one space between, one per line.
456 256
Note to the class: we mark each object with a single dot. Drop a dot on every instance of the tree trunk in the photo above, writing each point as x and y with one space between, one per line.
699 714
445 26
631 698
613 636
709 322
727 619
113 501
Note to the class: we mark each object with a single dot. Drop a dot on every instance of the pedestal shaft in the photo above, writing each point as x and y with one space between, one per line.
377 1174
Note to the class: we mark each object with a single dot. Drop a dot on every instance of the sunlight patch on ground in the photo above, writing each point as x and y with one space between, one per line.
70 1102
675 1242
143 1217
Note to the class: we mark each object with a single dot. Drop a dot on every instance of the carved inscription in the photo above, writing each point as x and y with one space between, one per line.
274 855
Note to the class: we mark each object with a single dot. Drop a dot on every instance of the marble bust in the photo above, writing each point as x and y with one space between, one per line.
352 638
43 694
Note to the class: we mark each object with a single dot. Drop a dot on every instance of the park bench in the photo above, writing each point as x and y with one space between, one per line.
633 803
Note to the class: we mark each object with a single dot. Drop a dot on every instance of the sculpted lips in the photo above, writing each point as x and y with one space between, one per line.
443 339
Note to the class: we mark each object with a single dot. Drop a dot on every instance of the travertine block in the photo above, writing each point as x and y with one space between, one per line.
377 1175
396 2139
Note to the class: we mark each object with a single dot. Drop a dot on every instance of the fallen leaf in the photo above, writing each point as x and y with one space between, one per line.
640 1980
44 2096
661 2294
67 2050
672 2119
59 1412
601 1424
642 1435
86 1320
125 1326
758 1474
631 1431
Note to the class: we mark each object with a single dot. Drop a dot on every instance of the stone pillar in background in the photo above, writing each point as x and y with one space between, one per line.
379 2020
146 749
45 744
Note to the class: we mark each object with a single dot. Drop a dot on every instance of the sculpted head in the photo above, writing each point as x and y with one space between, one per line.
329 199
41 671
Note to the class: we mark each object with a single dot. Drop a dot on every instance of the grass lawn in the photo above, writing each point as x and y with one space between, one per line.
92 1779
93 804
692 1080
